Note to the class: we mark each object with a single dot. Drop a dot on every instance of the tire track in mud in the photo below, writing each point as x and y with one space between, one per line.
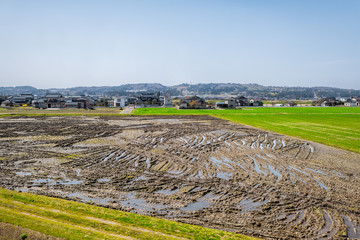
198 170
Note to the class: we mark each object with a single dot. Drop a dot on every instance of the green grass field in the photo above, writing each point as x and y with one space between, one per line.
334 126
72 220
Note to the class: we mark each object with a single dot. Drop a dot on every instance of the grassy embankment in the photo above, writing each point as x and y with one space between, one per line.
334 126
72 220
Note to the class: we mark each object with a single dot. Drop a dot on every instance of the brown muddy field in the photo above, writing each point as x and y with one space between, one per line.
193 169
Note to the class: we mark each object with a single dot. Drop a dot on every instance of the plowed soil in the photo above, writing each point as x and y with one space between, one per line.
194 169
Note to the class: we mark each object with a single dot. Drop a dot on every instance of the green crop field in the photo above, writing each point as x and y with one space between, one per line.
72 220
334 126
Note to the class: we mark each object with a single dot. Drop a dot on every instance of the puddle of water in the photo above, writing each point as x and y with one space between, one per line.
23 189
175 172
85 198
224 175
195 189
53 182
167 192
273 171
201 203
317 171
148 163
283 143
290 217
23 173
227 162
237 164
111 154
300 217
321 184
216 162
102 180
70 182
291 174
280 216
257 168
136 162
341 175
353 232
140 204
202 140
120 156
196 206
46 180
200 175
318 182
140 178
311 148
248 205
327 226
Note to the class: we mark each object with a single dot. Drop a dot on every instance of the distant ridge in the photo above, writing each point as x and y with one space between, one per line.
249 90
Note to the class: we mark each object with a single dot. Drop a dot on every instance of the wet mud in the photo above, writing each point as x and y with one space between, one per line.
193 169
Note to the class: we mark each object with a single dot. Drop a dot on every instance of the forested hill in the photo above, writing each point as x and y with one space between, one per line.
249 90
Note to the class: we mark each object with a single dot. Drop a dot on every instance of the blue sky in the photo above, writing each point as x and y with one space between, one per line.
66 43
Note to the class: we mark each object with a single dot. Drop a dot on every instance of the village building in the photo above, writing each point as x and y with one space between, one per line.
351 103
118 102
255 103
150 99
79 102
241 101
167 101
51 100
326 104
230 103
290 104
221 105
192 102
21 100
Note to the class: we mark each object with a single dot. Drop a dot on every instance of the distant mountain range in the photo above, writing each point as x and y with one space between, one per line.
208 89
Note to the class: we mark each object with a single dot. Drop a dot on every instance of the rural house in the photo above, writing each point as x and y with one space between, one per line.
118 102
192 102
22 99
51 100
79 102
167 101
230 103
150 99
241 101
255 103
351 103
